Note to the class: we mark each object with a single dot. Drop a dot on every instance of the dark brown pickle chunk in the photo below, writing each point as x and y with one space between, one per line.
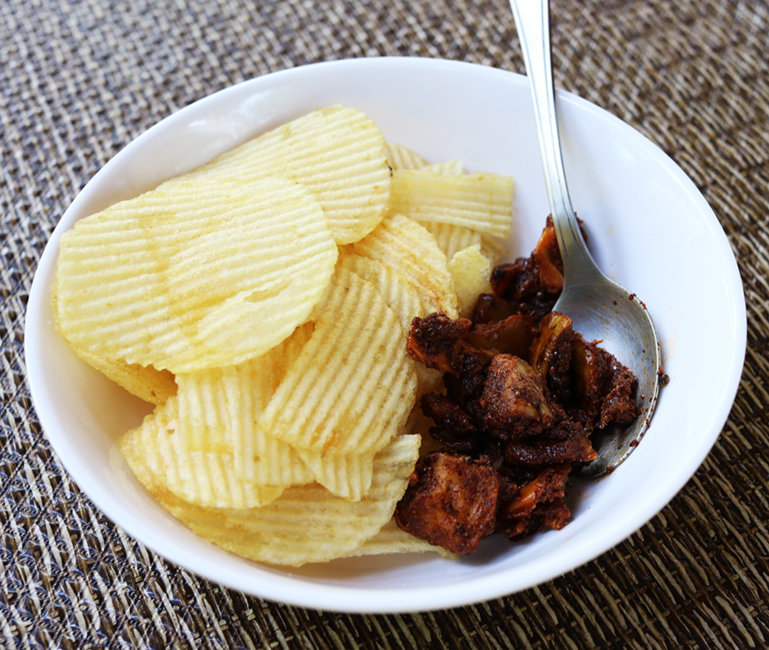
453 427
451 501
519 284
551 354
511 335
537 505
547 257
546 451
490 308
553 515
531 285
515 281
465 386
432 340
605 389
619 406
514 399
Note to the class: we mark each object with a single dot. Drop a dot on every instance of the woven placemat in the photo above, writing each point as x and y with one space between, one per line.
80 79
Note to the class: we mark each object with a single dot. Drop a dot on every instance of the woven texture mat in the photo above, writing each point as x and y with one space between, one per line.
80 79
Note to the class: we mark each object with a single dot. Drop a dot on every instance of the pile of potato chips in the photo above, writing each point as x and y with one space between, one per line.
262 302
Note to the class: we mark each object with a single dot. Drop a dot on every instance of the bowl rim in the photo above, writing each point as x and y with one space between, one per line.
294 590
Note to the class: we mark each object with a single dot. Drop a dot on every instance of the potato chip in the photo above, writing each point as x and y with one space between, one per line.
494 248
306 523
346 475
352 385
145 382
471 271
451 238
401 157
446 168
480 201
392 539
204 478
407 247
218 411
203 410
338 154
183 288
399 295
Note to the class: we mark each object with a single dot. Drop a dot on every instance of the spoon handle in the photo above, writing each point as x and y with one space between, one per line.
533 24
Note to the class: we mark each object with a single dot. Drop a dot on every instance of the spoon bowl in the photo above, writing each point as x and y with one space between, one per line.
600 309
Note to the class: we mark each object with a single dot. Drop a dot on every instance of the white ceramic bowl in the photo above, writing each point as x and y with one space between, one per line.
649 228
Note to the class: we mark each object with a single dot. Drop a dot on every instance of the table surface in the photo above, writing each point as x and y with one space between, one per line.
79 79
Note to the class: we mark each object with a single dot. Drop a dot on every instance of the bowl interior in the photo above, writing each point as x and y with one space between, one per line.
649 228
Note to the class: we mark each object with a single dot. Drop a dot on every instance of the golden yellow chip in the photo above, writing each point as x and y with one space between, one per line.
494 248
204 478
185 278
259 456
145 382
451 238
399 295
471 271
352 385
337 153
401 157
203 409
348 476
392 539
407 247
479 201
218 410
306 523
447 167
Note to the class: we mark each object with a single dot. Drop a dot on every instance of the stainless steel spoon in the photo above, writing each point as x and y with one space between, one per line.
599 308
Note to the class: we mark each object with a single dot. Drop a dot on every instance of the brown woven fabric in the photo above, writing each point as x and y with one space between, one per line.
80 79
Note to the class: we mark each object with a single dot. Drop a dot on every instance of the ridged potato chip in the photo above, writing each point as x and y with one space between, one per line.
306 523
399 295
480 201
451 238
337 153
494 248
204 478
352 385
145 382
408 248
471 271
447 167
346 475
401 157
392 539
185 278
218 410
